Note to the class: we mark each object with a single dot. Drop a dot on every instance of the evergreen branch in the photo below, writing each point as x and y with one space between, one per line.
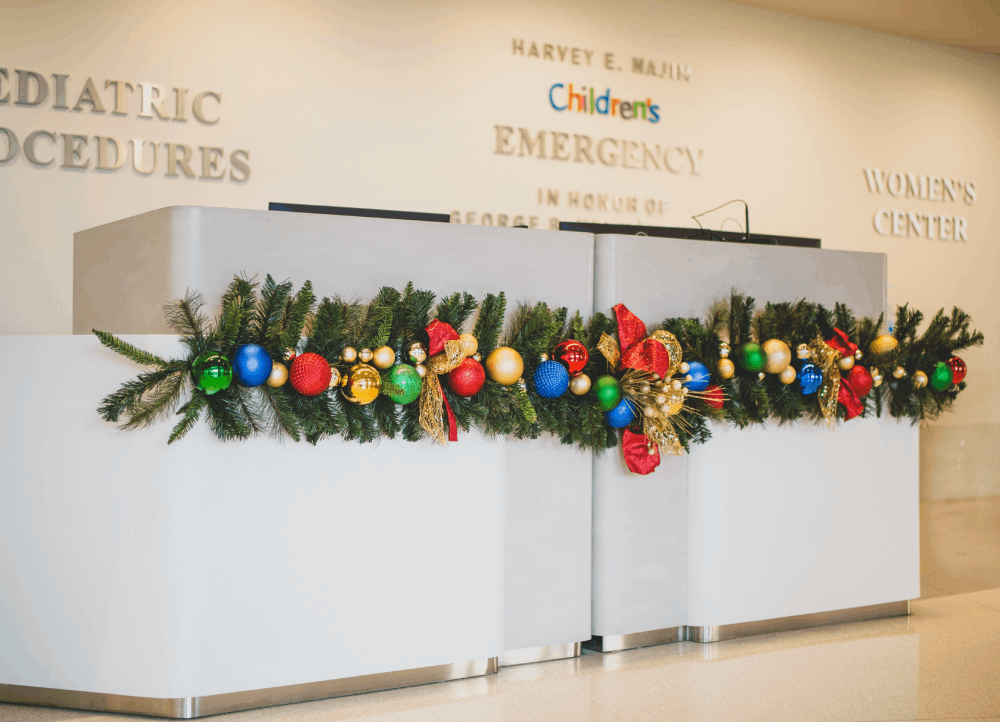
143 358
191 412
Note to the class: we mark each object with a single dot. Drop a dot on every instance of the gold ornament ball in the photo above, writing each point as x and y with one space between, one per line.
348 354
279 375
421 370
469 344
363 384
416 352
579 384
477 357
845 363
876 377
290 354
334 378
898 372
684 367
883 344
919 379
724 351
365 355
760 376
858 355
384 357
777 355
505 366
725 368
543 357
801 351
787 376
675 402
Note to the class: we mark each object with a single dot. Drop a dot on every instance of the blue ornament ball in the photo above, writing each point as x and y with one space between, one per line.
622 415
699 376
551 379
810 378
252 364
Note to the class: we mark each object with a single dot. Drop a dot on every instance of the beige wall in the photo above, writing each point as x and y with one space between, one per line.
394 105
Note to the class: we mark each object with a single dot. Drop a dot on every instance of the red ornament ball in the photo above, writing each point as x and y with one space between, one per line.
310 374
861 379
573 355
467 378
714 397
958 369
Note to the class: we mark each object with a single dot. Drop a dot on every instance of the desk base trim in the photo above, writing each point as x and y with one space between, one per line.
547 653
193 707
721 633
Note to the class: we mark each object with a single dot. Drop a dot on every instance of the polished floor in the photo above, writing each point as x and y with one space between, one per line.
941 663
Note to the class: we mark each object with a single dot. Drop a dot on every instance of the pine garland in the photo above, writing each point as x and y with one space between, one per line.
286 322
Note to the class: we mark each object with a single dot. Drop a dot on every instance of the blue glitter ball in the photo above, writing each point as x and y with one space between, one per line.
620 416
551 379
810 378
699 376
252 364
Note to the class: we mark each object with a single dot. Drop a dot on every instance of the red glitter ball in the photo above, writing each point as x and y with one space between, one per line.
467 378
861 379
714 397
571 354
310 374
958 369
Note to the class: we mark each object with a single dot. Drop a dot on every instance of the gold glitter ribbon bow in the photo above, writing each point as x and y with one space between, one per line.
433 403
825 359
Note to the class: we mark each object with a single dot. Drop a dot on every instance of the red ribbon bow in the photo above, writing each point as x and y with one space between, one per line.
848 395
438 333
638 351
643 354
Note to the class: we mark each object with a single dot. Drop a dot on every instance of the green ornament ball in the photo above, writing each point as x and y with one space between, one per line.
750 357
408 380
608 391
942 376
212 372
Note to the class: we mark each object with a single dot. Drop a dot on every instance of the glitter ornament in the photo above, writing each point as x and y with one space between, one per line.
845 363
810 378
469 344
958 369
572 355
579 384
310 374
860 380
725 368
714 397
551 379
408 381
278 376
362 384
777 355
750 357
383 357
252 365
941 376
504 366
919 379
883 344
621 415
697 377
348 354
467 378
788 375
212 372
608 392
416 352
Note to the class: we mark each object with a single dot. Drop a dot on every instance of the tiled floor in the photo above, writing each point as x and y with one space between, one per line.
941 663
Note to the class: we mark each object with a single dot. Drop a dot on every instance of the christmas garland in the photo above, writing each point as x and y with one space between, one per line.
275 362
